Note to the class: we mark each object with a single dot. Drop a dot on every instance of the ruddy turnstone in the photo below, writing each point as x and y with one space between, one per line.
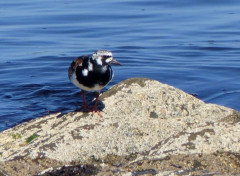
92 73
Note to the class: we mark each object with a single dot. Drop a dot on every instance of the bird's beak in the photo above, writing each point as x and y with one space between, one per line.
114 61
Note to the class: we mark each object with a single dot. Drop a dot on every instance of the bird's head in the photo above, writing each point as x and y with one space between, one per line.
104 57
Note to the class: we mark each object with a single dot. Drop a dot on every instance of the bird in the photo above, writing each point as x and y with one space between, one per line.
92 73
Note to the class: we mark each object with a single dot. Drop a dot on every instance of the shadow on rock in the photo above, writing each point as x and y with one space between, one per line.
83 170
100 107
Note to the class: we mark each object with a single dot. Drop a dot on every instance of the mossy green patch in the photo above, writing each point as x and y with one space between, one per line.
16 136
31 138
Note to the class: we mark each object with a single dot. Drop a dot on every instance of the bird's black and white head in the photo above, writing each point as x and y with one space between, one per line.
104 57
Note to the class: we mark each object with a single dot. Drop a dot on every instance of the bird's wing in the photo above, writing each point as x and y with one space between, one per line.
76 62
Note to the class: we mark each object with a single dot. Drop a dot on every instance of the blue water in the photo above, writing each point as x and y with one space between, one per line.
192 45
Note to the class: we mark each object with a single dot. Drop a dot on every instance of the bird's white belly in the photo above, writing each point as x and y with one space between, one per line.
76 83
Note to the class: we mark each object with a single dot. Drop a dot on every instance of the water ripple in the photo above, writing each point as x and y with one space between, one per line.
190 45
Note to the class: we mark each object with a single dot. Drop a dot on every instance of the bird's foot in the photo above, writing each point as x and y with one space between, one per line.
86 108
98 112
94 110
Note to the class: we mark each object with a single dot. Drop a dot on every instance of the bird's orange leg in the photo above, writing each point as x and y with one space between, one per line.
84 105
95 106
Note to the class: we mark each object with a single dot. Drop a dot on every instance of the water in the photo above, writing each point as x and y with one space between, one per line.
192 45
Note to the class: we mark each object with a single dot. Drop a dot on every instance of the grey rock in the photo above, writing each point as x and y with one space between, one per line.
147 128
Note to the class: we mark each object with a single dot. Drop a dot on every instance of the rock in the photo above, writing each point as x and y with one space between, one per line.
147 128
